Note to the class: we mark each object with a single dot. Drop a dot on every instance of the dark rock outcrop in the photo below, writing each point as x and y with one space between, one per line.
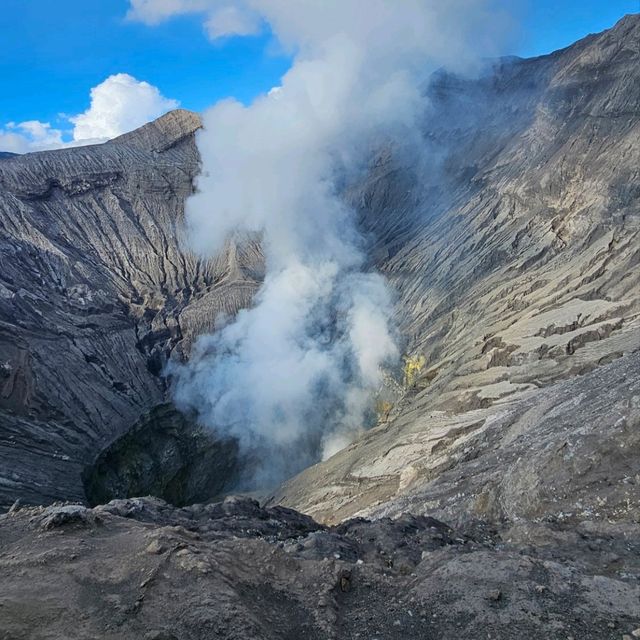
167 455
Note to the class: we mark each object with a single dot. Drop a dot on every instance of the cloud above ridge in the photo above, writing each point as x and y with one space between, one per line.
119 104
31 135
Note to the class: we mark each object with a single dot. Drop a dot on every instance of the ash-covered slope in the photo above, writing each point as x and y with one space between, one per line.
95 290
517 264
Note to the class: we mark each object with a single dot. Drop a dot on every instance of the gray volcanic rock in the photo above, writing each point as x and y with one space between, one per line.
520 264
517 264
94 286
142 569
566 453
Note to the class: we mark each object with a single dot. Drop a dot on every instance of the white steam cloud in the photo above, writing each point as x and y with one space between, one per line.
296 373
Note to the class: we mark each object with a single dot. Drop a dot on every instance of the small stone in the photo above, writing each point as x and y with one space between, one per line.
495 595
540 588
345 581
155 547
636 633
61 515
15 507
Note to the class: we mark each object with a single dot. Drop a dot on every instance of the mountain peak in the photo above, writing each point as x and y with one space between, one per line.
162 133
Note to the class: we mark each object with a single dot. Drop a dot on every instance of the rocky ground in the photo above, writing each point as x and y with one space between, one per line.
139 568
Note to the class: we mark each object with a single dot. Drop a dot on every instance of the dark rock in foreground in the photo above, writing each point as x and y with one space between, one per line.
142 569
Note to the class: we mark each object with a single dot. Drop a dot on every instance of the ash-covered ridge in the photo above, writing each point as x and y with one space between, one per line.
518 270
96 290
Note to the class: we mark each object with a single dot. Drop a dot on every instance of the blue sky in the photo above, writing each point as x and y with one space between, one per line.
548 25
53 52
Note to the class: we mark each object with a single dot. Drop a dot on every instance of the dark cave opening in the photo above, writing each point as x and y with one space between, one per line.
165 454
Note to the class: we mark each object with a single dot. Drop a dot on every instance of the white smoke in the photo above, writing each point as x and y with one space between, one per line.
298 371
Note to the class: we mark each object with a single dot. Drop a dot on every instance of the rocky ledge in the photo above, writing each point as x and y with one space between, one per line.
140 568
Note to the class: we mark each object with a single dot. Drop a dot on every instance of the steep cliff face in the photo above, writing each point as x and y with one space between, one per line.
517 265
532 232
95 290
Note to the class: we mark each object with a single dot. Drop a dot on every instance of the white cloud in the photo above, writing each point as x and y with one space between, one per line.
118 105
224 18
31 135
229 20
155 11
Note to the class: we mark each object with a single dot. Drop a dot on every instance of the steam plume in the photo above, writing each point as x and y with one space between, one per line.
296 373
